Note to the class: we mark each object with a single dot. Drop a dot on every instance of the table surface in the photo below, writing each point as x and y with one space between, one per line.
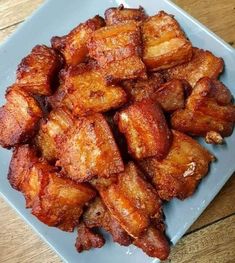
212 236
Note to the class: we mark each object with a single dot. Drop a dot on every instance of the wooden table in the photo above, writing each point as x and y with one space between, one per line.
212 236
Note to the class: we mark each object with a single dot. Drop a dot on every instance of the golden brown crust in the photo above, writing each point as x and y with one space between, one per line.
73 46
140 89
172 94
86 91
117 15
61 202
132 201
145 129
203 64
209 108
54 200
38 70
19 117
55 99
154 243
90 150
51 132
88 239
180 172
165 44
97 215
118 49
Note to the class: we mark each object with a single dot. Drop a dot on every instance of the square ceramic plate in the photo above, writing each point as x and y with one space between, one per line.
57 17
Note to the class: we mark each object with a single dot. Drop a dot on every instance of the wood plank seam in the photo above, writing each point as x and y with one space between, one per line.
14 24
209 224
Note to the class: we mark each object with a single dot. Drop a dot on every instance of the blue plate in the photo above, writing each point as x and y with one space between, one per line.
57 17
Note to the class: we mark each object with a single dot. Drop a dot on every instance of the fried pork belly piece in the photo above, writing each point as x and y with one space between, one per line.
54 200
180 172
88 239
86 91
208 109
132 201
55 99
172 94
118 49
38 70
89 150
202 64
145 129
19 117
140 89
73 46
117 15
154 243
165 44
97 215
51 132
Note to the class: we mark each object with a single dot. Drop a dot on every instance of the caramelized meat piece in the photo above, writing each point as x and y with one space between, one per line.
90 150
180 172
37 71
140 89
171 95
132 201
203 64
87 239
52 131
165 44
117 50
146 130
97 215
54 200
19 117
86 91
154 243
117 15
55 99
208 109
73 46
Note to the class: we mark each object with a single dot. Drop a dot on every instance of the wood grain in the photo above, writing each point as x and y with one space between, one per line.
19 243
219 16
214 244
15 11
222 206
210 239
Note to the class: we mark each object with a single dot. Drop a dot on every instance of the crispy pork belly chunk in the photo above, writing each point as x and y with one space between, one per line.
88 239
56 98
117 15
202 64
180 172
73 46
118 51
38 70
97 215
54 200
172 95
132 201
86 91
165 44
140 89
89 150
19 117
145 128
208 109
51 132
154 243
